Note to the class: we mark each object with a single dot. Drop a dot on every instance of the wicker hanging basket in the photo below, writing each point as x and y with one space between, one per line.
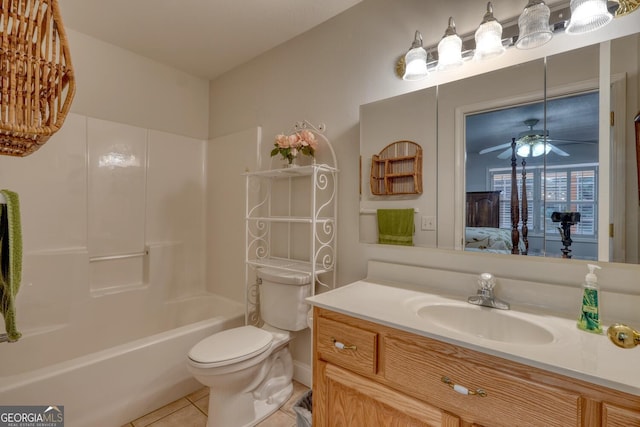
36 76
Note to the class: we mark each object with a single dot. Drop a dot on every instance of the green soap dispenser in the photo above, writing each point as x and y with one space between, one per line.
590 311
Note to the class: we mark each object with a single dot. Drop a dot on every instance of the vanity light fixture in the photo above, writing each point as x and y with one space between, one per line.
533 28
588 15
415 60
450 48
533 24
488 37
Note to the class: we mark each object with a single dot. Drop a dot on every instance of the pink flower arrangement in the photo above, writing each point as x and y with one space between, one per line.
288 146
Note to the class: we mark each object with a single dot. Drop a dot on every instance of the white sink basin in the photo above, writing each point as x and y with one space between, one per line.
487 323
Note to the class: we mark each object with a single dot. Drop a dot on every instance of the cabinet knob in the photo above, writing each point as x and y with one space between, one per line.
342 346
463 390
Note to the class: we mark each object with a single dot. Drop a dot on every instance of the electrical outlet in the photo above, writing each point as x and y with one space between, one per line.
428 223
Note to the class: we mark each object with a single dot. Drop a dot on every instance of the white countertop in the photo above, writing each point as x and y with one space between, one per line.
572 352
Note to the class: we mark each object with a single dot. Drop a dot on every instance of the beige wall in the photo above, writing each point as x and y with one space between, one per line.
228 157
117 85
325 75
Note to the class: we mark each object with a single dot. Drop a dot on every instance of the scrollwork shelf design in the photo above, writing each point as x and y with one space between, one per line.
291 221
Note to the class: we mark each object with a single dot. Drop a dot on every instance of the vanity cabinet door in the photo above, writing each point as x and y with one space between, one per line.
495 398
615 416
352 401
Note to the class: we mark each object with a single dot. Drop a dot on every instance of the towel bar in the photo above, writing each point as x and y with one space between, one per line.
375 211
123 256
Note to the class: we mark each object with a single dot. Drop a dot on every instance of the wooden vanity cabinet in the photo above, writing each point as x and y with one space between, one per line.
367 374
615 416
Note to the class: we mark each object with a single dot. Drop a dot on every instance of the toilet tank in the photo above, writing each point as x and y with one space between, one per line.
282 298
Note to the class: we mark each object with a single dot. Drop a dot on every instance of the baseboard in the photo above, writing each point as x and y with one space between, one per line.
302 373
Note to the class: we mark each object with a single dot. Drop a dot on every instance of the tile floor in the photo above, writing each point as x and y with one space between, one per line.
191 411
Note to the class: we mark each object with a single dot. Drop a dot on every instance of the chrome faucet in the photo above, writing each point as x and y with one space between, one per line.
485 296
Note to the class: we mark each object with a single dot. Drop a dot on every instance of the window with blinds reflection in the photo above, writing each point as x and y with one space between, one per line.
568 188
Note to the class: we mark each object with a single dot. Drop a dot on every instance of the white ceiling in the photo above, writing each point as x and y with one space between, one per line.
205 38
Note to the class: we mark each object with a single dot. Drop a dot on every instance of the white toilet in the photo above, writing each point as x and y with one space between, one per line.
248 370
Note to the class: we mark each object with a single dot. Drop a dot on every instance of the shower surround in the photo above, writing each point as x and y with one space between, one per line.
114 291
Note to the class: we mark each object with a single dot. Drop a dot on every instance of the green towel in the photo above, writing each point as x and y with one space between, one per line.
10 261
395 226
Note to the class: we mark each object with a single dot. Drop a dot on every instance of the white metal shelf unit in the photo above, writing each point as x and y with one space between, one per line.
262 248
291 225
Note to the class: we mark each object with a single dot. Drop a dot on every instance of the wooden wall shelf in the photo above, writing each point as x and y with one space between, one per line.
397 169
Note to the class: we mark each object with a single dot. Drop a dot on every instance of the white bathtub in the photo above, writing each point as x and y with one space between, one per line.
114 385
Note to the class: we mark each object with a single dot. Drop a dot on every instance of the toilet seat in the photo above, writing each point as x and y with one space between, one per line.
231 346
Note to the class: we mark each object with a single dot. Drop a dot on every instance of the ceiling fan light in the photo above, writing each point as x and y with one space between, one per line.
450 48
540 148
588 15
524 150
533 25
488 37
416 60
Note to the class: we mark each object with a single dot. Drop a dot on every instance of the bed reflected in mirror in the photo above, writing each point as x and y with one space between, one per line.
521 168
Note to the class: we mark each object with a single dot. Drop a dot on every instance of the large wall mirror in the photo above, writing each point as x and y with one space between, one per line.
536 123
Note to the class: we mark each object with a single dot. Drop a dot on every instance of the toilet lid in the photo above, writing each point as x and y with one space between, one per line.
232 345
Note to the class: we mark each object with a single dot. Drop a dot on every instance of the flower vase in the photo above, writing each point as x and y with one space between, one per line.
293 163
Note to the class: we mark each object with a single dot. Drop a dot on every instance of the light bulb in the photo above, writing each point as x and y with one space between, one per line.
524 150
416 60
450 48
540 148
488 37
533 25
588 15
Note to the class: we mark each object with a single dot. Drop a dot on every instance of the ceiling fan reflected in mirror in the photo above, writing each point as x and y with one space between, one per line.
532 143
